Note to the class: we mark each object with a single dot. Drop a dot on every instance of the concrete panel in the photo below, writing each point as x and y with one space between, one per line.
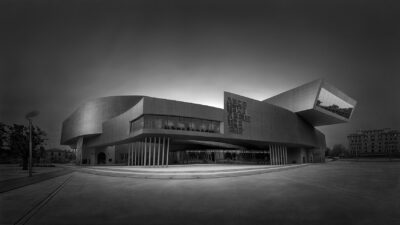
88 118
117 128
175 108
299 98
302 100
269 123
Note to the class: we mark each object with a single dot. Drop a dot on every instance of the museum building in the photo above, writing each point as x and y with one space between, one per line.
148 131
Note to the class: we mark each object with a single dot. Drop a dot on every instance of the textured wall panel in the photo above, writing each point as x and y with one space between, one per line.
270 123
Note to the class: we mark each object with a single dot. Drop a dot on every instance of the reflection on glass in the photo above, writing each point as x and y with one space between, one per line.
328 101
175 123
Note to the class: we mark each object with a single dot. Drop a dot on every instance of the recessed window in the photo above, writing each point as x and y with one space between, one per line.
329 101
175 123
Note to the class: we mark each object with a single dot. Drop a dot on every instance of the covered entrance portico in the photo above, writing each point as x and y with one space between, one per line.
160 151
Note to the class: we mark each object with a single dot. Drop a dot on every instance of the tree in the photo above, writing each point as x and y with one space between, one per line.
4 140
327 151
19 142
337 150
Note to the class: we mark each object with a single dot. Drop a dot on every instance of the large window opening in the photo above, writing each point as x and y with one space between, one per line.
175 123
330 102
220 156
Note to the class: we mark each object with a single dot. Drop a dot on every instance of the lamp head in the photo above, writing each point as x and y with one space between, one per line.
32 114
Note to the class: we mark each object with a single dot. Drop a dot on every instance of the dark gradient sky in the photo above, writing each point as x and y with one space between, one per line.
55 55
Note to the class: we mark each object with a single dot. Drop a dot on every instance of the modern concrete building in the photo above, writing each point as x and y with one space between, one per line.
147 131
379 142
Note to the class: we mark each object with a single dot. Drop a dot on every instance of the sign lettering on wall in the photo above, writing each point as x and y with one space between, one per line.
237 114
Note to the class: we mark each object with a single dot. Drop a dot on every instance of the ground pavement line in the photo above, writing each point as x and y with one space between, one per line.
192 173
12 184
25 218
188 176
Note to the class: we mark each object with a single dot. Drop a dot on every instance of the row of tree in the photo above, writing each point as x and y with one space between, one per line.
337 150
14 143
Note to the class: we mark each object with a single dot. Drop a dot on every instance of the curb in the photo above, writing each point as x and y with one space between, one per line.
193 175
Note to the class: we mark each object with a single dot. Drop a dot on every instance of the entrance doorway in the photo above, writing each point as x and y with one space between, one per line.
101 158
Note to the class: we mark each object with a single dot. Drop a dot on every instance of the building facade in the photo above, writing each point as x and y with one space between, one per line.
147 131
379 142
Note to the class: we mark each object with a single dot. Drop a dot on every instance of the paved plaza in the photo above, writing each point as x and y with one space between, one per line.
330 193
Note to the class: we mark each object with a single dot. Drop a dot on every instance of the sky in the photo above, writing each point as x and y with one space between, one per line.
56 55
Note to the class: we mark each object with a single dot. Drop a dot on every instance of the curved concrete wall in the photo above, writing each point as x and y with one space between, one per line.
117 128
89 117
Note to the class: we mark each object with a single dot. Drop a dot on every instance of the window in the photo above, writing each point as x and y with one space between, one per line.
330 102
175 123
136 124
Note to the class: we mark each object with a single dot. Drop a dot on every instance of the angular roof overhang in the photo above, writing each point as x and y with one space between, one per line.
308 102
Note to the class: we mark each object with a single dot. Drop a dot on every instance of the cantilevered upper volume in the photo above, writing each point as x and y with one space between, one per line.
278 130
318 102
88 118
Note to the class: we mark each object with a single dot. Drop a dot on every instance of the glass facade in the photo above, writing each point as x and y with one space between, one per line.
220 156
175 123
328 101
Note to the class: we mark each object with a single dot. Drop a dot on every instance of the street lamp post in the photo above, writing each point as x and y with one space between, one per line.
29 117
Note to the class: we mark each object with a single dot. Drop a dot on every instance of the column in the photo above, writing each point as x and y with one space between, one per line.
154 151
167 152
278 155
286 155
133 153
144 155
158 151
129 154
140 154
150 150
273 154
135 150
163 148
270 155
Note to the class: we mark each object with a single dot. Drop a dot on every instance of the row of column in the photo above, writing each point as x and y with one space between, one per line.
151 151
278 154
